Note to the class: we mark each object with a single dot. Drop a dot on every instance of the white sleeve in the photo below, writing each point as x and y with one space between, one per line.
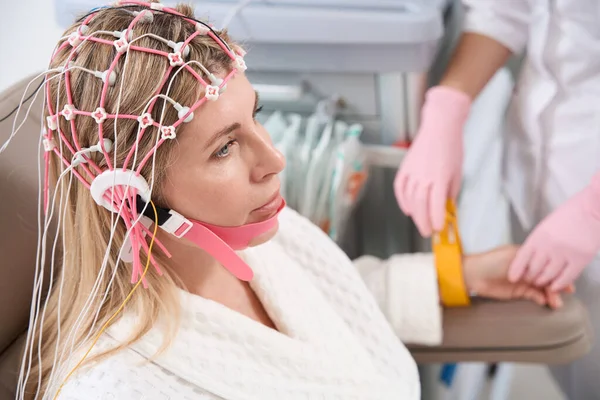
406 289
504 21
414 295
334 274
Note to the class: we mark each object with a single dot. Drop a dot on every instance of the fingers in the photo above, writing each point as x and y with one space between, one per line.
424 202
455 185
540 270
570 289
550 272
401 183
438 198
541 297
554 299
535 267
519 264
519 290
527 292
566 277
420 211
534 294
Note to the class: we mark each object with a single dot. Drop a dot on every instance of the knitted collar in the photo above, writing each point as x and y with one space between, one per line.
314 352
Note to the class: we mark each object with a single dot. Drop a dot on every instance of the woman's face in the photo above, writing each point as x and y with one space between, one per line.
225 169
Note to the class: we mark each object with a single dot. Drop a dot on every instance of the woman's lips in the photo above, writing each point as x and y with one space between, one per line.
270 207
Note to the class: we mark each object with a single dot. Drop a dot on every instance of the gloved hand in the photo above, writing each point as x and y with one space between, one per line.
560 247
486 274
432 170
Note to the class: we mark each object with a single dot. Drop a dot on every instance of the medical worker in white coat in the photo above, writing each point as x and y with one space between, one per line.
552 154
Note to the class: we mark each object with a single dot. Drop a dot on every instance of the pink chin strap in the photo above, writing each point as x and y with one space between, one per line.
218 241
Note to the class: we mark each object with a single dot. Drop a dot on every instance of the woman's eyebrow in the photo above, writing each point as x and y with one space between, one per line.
223 132
227 130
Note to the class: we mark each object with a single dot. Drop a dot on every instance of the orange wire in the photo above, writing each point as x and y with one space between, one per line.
106 325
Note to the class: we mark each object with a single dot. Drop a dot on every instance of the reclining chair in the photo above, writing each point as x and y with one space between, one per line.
486 331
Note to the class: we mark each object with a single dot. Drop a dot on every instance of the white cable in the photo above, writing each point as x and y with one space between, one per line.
114 222
87 306
63 273
160 39
16 129
141 214
38 278
156 97
115 270
95 288
40 261
74 67
37 299
51 281
44 252
115 219
44 238
62 281
20 383
165 98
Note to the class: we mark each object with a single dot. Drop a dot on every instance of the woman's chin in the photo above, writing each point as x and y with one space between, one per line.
264 237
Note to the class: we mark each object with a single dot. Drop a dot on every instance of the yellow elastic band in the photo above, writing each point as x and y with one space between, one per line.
447 250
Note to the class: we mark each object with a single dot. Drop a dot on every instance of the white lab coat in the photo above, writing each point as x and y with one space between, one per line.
553 123
553 132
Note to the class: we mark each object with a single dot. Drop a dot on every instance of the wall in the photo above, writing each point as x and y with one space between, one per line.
28 34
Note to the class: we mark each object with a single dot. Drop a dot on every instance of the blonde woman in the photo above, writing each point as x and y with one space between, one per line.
241 298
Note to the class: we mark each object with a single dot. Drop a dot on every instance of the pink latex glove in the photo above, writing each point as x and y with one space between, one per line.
432 169
561 246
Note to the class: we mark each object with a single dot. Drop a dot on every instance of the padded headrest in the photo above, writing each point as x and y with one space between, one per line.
18 210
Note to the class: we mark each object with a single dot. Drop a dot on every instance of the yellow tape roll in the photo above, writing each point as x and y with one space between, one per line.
447 250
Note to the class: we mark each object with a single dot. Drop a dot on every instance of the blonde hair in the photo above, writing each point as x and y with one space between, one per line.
85 226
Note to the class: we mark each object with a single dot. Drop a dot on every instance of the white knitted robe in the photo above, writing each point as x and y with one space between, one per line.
333 340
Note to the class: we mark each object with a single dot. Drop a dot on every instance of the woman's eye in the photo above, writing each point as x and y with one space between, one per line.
224 151
259 109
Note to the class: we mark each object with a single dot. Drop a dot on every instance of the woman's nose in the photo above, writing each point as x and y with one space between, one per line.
269 160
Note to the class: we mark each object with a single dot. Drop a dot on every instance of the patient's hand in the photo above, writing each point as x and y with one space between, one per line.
487 275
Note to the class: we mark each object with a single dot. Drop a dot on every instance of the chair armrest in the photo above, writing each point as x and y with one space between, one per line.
515 331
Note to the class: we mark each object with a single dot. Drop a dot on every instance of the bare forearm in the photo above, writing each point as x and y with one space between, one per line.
475 61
